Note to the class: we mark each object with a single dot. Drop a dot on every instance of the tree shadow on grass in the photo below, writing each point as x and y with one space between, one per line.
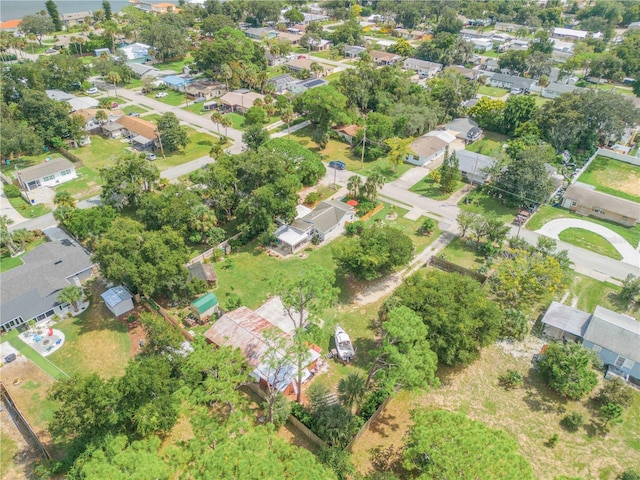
539 397
383 424
205 142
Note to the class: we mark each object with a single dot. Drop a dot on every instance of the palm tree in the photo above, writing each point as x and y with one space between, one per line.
216 117
64 199
226 123
351 391
71 294
5 237
287 117
22 236
226 73
354 184
114 77
374 182
101 116
216 150
316 69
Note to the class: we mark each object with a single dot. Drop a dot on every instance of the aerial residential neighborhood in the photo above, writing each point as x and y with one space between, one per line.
320 239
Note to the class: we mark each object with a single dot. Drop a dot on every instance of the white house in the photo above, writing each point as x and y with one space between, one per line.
136 51
569 33
475 167
49 173
118 300
554 90
422 67
429 147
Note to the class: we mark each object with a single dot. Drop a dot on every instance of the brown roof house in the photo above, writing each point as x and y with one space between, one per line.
347 132
384 58
239 100
245 329
586 201
143 134
301 64
205 89
429 147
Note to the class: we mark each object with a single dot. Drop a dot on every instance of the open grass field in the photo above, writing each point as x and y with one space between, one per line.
457 252
583 238
428 188
102 152
134 109
200 145
490 144
546 213
26 210
173 98
484 204
492 91
336 150
151 117
95 341
176 65
530 415
614 177
237 120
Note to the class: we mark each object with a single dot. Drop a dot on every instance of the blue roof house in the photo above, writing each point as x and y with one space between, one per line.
177 82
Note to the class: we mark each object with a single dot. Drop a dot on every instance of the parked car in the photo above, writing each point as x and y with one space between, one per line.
161 94
516 91
92 91
338 165
51 50
114 105
134 114
151 156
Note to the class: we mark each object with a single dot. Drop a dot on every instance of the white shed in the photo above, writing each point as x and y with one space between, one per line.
118 300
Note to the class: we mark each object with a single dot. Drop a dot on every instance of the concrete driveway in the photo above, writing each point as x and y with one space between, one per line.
555 227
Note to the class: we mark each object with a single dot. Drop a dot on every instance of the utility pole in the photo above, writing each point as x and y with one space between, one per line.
160 140
475 165
364 144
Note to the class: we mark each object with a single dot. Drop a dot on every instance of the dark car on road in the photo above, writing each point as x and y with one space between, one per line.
338 165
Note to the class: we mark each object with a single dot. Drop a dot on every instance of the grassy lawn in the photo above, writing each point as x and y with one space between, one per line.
428 188
590 241
614 177
540 100
409 227
490 144
133 84
26 210
482 203
530 414
177 65
492 91
7 452
237 120
336 150
7 262
586 293
87 184
152 117
197 108
102 152
611 88
95 341
546 213
173 98
326 54
199 146
334 77
134 109
48 367
457 252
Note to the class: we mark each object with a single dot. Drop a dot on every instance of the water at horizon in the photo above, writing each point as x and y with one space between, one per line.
14 9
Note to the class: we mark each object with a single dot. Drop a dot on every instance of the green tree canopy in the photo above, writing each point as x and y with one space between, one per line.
568 369
459 316
128 180
172 134
38 25
299 159
444 444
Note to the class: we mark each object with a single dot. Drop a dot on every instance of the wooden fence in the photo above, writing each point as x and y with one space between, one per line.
366 425
370 214
17 414
224 246
447 266
71 156
154 307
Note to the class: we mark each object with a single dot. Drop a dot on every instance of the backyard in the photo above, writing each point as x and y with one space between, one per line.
479 201
546 213
87 185
95 341
614 177
459 253
530 414
336 150
490 144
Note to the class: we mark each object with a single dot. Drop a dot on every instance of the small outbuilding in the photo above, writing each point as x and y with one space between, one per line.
203 271
205 306
118 300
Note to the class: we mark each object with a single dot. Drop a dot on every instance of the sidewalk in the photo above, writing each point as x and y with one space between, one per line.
6 209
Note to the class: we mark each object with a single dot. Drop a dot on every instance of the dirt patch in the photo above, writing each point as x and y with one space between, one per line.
25 455
630 185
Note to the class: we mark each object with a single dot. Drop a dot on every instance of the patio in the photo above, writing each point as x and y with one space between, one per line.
45 340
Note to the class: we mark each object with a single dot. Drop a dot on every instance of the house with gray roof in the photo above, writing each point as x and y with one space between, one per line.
554 89
502 80
613 336
282 83
260 33
588 201
30 291
353 51
49 173
422 67
475 167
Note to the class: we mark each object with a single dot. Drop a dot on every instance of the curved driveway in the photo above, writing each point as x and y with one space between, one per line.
554 227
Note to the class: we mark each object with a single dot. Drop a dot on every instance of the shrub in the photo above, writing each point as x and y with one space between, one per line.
365 206
616 392
511 379
428 226
514 324
355 228
11 191
337 460
312 197
553 440
303 414
573 421
372 402
233 301
629 475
